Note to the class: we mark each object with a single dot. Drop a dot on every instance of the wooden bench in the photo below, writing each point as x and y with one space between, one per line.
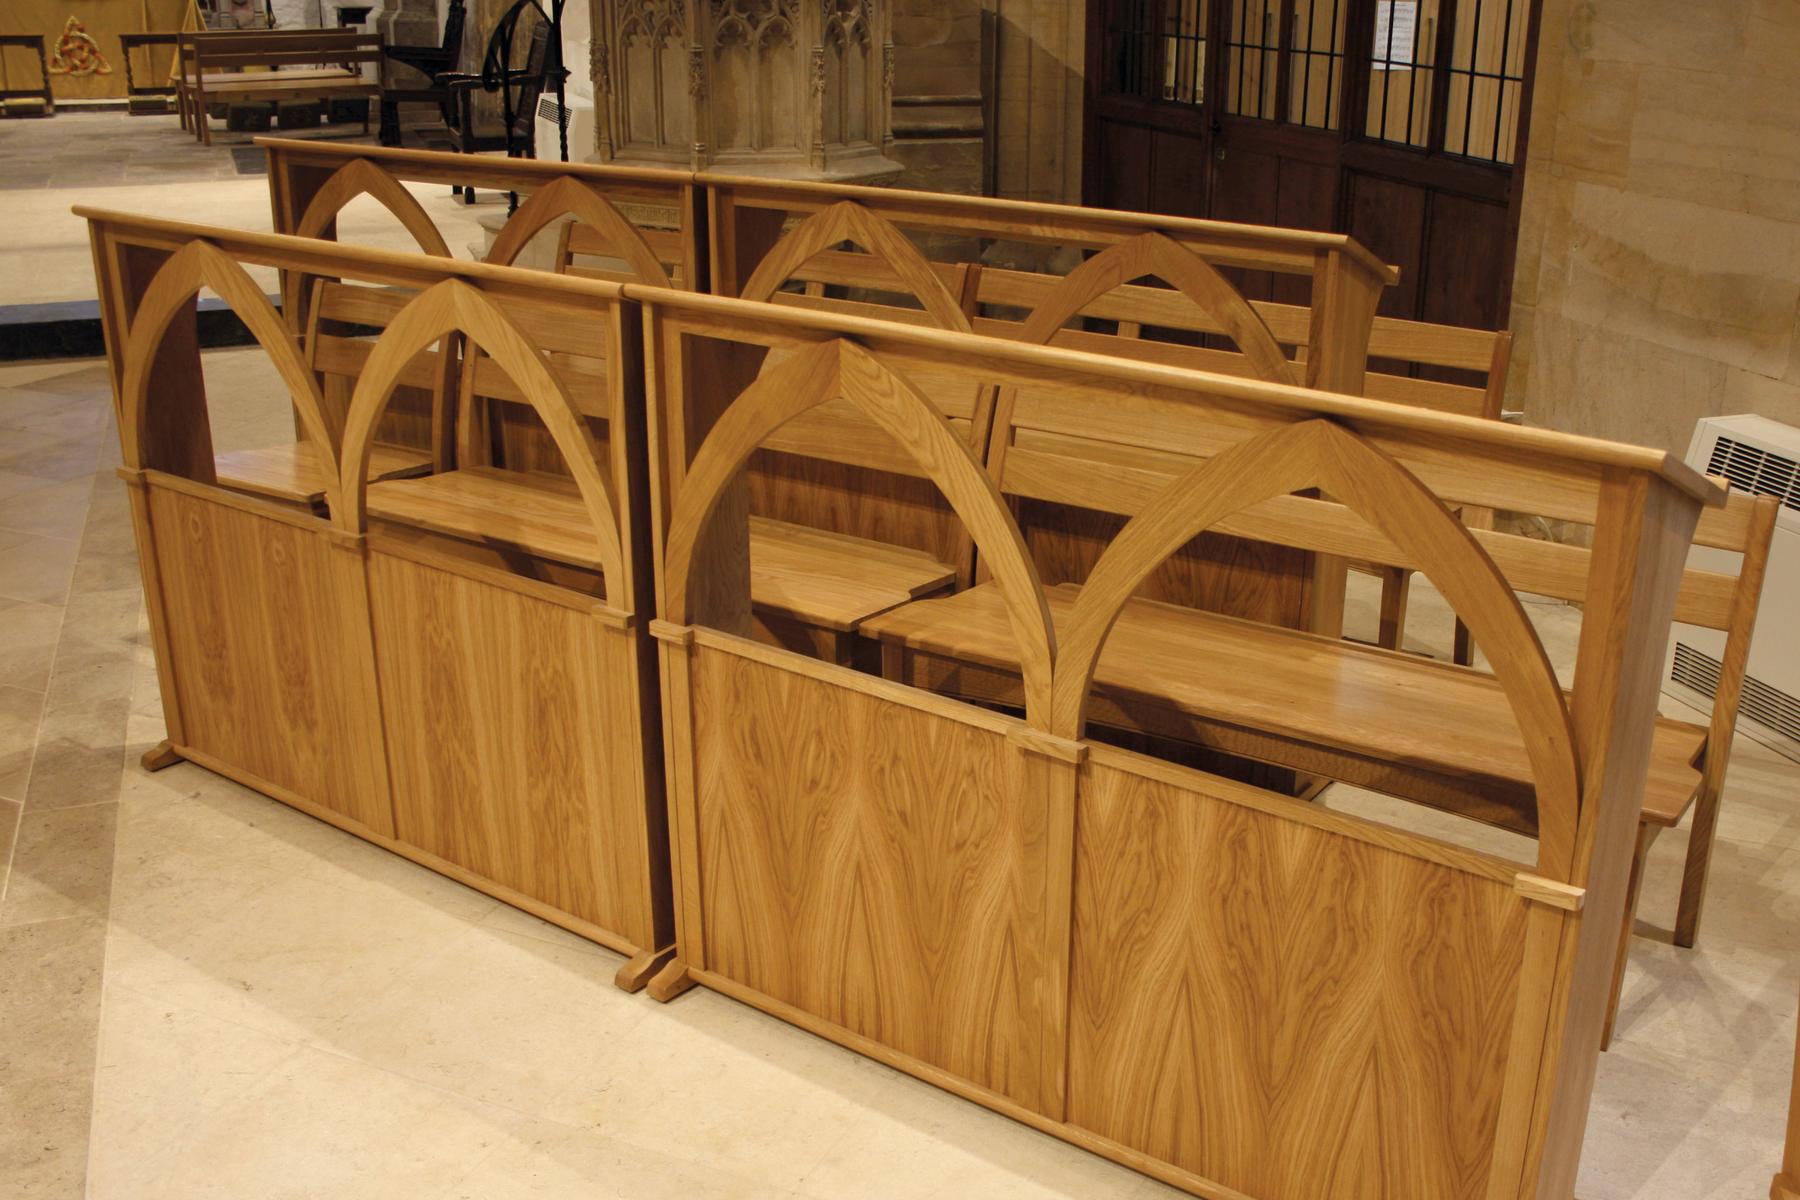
269 67
1405 354
1215 984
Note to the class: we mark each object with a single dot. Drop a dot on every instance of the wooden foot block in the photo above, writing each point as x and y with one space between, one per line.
671 981
1784 1188
159 756
640 967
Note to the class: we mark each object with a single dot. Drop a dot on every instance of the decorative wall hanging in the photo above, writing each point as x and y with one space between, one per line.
77 53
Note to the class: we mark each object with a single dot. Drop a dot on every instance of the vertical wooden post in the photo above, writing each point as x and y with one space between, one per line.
1787 1184
740 236
1345 293
1641 537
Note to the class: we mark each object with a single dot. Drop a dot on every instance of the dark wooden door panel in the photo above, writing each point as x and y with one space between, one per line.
1178 168
1126 165
1388 217
1259 145
1468 247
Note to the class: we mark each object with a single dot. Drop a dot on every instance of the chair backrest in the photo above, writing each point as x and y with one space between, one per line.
454 20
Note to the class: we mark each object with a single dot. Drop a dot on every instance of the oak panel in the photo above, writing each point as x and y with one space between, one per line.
1284 1011
268 635
871 864
515 720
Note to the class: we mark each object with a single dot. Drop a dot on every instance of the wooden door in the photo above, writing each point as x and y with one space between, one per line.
1401 122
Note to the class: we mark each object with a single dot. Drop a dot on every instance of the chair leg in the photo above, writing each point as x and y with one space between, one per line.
1396 585
1463 653
1646 835
1699 864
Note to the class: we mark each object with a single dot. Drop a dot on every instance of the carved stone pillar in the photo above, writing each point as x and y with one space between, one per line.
406 23
787 88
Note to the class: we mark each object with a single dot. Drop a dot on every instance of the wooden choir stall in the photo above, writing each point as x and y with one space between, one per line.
437 653
938 655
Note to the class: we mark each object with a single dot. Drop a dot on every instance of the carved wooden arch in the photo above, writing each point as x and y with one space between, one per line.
843 368
566 195
1160 255
194 266
360 177
1318 453
847 221
453 307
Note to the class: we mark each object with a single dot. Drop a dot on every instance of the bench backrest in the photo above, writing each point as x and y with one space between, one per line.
224 51
1052 448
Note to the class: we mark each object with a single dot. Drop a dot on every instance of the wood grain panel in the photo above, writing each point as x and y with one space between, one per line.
1290 1013
874 865
515 743
268 633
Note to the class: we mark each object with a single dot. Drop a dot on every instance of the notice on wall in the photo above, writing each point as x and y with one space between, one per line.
1396 29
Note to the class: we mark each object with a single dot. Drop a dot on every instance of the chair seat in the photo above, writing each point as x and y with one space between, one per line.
1429 731
833 580
296 472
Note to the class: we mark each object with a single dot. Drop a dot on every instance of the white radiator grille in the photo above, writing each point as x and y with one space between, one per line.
1767 706
1757 471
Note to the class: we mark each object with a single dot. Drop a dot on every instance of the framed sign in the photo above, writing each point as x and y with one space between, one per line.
1396 32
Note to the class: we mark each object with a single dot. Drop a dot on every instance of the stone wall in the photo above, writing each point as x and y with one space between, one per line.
1659 258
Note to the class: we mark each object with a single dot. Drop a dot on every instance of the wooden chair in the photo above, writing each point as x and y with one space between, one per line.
1787 1182
1687 771
516 132
431 62
338 343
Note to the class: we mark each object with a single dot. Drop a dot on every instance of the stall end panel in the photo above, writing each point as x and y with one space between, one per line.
1280 1008
875 865
506 714
268 633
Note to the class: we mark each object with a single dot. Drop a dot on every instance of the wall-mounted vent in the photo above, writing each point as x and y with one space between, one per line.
1756 470
1768 706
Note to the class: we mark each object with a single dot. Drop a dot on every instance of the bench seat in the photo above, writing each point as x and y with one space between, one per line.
295 472
284 75
534 511
1428 731
833 580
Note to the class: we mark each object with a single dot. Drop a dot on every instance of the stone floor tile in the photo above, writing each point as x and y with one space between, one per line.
28 634
20 712
44 1136
62 865
50 997
81 749
36 569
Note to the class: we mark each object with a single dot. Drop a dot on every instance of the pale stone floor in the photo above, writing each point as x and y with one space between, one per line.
147 164
206 994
